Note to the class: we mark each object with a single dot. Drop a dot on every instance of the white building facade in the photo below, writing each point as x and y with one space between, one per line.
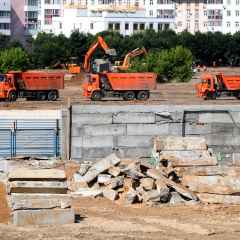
5 17
124 16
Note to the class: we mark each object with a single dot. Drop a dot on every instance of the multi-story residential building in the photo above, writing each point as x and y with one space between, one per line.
24 18
5 17
124 16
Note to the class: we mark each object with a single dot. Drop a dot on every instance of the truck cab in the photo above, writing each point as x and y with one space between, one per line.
207 87
7 87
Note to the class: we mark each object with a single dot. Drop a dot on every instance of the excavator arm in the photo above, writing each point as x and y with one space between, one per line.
134 53
99 43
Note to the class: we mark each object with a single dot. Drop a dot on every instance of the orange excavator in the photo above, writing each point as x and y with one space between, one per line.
99 43
126 62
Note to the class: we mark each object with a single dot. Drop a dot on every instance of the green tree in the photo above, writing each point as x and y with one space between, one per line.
13 59
49 50
173 64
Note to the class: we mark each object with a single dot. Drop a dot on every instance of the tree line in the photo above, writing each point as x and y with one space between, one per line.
47 49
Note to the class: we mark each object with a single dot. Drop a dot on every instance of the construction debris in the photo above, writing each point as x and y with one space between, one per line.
131 181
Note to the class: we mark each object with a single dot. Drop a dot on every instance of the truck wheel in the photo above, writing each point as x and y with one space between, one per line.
96 96
129 95
52 96
143 95
12 96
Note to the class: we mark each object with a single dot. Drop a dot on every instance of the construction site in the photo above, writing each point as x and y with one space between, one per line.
97 152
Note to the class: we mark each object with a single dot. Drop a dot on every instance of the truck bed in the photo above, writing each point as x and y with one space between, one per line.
39 80
132 81
231 82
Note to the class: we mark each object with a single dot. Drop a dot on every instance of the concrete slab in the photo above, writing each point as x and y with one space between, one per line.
43 217
127 117
21 201
26 173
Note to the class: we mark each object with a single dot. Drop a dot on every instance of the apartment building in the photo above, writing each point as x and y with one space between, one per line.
124 16
5 17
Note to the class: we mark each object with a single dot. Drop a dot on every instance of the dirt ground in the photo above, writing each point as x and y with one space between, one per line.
168 93
102 219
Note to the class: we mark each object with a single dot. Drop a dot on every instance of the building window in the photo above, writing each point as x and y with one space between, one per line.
160 26
151 2
60 25
91 26
150 25
228 13
237 2
166 26
110 26
142 26
205 13
4 14
237 13
117 26
135 27
151 13
228 24
126 26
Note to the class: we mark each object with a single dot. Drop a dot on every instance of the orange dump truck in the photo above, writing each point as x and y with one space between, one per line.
126 85
213 86
32 85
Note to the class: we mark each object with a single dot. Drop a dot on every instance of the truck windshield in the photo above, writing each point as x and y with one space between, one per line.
2 78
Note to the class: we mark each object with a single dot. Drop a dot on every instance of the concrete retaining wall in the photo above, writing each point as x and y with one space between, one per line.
98 130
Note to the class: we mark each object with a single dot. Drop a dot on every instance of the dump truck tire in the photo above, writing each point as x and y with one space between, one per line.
52 96
129 95
96 96
12 96
143 95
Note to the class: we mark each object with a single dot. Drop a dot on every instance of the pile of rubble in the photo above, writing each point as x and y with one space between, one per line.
131 181
39 197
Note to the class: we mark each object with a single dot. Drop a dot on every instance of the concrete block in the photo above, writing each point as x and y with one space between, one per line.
147 183
87 192
37 174
104 130
77 141
197 129
76 152
222 139
128 117
175 129
21 201
213 184
114 171
135 141
100 167
116 182
147 129
38 187
97 142
189 158
104 178
218 117
43 217
180 143
96 153
91 119
152 195
110 194
137 152
218 199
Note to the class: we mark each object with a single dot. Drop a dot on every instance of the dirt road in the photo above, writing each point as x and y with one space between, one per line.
102 219
168 93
